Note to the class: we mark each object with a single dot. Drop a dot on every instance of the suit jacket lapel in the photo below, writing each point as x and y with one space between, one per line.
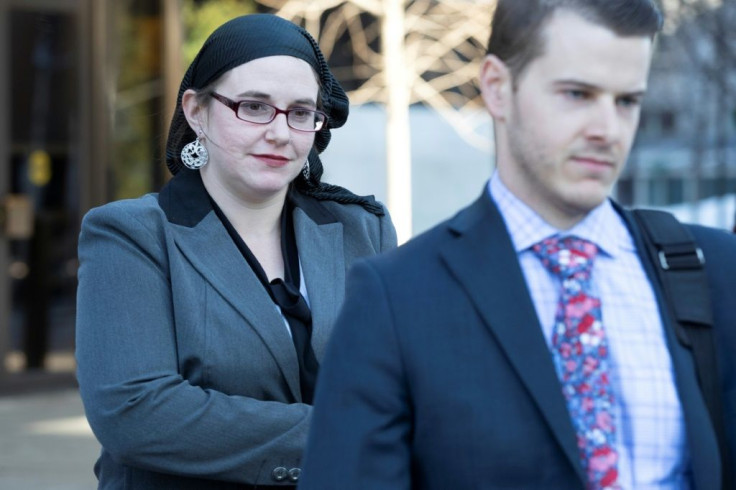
483 260
319 239
210 250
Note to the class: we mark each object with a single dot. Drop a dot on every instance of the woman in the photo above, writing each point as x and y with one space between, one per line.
203 310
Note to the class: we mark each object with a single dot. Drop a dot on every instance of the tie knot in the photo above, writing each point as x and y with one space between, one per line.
566 257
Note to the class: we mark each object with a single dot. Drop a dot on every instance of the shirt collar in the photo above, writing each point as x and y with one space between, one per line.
602 226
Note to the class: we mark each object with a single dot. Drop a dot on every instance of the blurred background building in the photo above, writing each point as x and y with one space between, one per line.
88 86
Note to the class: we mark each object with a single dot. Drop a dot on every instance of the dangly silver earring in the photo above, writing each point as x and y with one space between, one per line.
305 170
194 155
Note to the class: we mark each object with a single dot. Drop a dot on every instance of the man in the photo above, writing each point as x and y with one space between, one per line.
526 342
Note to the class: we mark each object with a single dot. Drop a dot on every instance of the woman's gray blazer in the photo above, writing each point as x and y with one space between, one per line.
185 366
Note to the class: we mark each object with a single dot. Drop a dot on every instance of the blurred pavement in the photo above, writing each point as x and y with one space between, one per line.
45 442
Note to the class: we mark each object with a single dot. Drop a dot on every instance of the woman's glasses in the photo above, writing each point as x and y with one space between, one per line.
257 112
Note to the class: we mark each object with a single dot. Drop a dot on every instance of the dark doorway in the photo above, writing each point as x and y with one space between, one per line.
44 141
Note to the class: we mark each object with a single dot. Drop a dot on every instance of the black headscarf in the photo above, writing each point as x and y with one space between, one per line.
250 37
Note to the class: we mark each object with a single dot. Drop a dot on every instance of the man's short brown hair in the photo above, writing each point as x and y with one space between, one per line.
518 25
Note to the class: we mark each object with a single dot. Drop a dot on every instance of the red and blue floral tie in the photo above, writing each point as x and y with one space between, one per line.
580 352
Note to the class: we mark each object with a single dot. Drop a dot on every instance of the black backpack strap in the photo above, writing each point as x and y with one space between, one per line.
680 265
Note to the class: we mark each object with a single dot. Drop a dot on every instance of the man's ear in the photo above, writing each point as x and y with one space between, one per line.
495 86
193 111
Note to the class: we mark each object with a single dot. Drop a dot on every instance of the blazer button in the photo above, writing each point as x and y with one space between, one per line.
279 473
294 474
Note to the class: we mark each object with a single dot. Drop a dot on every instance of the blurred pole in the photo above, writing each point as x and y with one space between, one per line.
172 69
94 174
398 149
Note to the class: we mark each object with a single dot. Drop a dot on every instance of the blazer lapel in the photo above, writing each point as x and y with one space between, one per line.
322 259
233 279
204 241
482 258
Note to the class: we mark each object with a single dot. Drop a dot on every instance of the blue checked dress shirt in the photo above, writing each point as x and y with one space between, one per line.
651 440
